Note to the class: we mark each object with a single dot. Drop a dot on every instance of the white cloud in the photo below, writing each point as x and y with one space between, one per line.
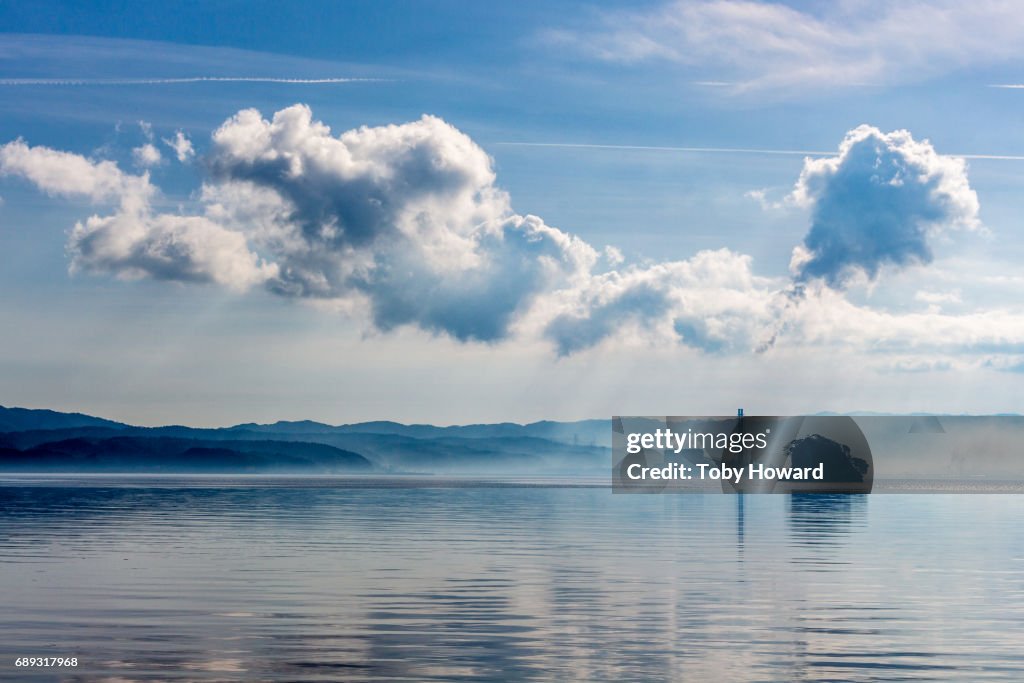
880 202
406 225
826 318
65 174
761 197
406 216
772 46
134 241
146 156
136 244
181 145
613 256
712 302
938 298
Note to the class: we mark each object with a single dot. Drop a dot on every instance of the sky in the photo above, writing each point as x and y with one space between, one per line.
456 212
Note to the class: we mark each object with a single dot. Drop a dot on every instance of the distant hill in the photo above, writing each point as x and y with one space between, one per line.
24 419
162 454
49 441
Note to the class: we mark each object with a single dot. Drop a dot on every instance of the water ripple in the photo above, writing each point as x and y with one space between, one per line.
321 580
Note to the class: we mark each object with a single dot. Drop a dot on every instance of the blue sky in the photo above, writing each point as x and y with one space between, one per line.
440 270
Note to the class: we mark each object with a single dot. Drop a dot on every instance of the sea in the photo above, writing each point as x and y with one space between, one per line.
254 578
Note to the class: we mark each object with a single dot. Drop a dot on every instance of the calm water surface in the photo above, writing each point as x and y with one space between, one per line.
291 579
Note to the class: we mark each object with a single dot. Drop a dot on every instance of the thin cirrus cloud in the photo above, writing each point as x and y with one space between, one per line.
177 81
745 46
407 225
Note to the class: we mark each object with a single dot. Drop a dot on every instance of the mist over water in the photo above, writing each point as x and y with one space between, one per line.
348 579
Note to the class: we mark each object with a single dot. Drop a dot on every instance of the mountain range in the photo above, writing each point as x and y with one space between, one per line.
49 441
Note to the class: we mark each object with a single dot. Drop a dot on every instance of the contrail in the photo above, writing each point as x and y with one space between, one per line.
172 81
730 150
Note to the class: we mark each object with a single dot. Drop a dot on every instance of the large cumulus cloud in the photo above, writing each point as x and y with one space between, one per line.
406 225
879 202
406 216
